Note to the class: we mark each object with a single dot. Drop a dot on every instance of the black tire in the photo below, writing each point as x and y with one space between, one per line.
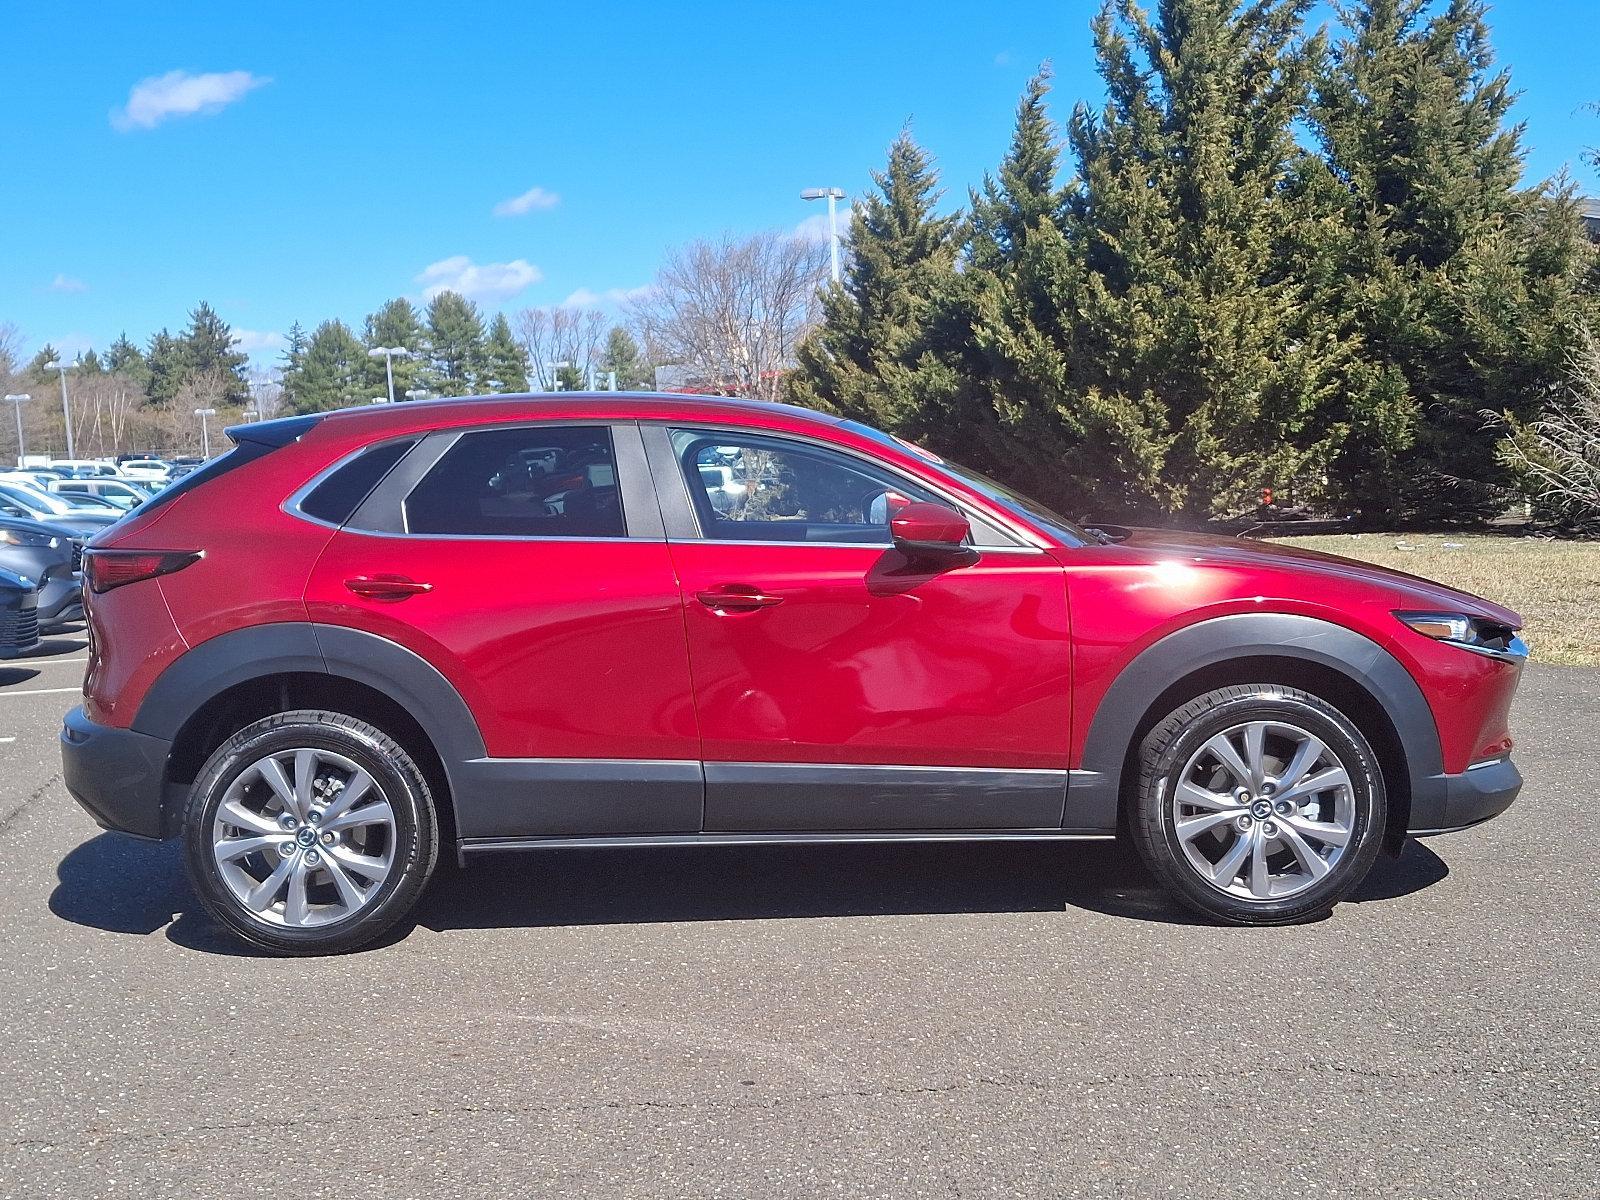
414 852
1170 747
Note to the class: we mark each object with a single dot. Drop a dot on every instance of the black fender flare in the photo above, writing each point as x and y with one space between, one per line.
1094 790
211 668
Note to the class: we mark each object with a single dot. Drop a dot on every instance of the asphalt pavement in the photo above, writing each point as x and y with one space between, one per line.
1024 1020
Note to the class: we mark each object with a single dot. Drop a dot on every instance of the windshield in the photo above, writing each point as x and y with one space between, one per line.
31 497
1007 498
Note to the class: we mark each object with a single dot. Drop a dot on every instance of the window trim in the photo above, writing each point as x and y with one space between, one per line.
682 516
382 513
294 504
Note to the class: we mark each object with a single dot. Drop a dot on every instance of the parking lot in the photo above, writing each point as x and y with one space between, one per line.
853 1021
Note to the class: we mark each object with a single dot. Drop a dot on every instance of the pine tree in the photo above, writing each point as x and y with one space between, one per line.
623 358
332 371
289 374
1463 288
89 363
455 336
863 361
397 323
167 360
505 363
124 358
208 351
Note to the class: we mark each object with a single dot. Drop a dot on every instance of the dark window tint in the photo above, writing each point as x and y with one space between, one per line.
755 489
531 481
341 493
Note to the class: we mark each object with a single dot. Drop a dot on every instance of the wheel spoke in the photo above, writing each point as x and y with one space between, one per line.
351 794
376 813
1228 865
264 893
230 849
233 813
1255 753
1260 882
305 774
352 895
362 864
1199 797
271 770
1224 752
1315 865
295 909
1193 827
1320 782
1325 832
1305 757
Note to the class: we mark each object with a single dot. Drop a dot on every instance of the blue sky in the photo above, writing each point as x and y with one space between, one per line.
338 151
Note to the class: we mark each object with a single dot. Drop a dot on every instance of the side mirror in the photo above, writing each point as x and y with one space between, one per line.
921 529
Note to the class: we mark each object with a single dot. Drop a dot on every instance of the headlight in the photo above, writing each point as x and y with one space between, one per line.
11 537
1478 634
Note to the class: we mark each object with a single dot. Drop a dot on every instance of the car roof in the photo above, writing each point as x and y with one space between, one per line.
598 406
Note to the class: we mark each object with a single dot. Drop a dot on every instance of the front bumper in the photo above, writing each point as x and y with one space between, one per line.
1453 802
60 601
116 775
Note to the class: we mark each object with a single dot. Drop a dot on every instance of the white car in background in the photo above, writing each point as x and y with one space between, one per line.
141 469
124 493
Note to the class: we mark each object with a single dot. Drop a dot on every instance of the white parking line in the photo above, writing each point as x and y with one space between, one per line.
38 691
53 662
4 740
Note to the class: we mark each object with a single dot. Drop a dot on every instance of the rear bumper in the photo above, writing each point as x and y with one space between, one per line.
1460 801
115 774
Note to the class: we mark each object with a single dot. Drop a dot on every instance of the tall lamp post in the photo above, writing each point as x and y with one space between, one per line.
416 393
205 430
66 412
389 354
17 400
832 195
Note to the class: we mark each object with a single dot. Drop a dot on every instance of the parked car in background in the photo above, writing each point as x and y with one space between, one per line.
85 468
51 559
19 619
56 511
297 666
140 467
124 493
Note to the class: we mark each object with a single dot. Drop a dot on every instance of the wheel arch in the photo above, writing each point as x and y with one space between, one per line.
1347 669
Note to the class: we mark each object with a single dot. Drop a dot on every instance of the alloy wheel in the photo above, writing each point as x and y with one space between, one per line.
303 838
1263 810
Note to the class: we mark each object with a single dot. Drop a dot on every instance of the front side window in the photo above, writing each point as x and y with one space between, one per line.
530 481
759 489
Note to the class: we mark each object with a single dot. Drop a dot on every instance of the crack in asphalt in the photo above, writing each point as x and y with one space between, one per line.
90 1134
38 795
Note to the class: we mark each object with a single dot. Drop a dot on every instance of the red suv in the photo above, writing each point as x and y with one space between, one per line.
620 620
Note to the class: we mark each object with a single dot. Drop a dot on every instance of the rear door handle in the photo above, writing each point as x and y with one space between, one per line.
386 587
736 597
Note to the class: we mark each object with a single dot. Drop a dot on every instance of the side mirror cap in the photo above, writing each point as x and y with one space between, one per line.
921 528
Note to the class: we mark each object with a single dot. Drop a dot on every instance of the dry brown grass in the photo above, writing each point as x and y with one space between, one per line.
1554 585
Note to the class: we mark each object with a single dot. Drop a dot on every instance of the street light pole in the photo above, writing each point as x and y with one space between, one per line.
832 195
416 393
66 413
389 354
205 430
17 402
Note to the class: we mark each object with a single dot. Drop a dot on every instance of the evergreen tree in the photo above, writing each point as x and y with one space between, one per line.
455 338
1463 288
397 323
89 363
124 358
623 358
207 350
289 373
167 360
864 360
504 361
331 372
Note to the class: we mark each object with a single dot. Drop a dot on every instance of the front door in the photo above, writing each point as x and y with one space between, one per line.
838 685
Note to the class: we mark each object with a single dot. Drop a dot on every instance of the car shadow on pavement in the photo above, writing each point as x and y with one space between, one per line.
122 885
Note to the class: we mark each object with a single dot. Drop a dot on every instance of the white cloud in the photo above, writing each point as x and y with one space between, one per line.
530 200
489 282
815 227
589 298
182 94
258 341
67 284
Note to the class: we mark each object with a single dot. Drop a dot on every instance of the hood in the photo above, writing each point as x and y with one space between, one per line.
23 525
1413 589
12 582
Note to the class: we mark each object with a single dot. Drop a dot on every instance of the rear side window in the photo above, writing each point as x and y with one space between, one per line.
341 493
533 481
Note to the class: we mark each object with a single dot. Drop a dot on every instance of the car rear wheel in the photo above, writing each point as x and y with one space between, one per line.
310 833
1258 804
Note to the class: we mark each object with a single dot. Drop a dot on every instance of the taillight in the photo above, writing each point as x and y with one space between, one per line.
107 569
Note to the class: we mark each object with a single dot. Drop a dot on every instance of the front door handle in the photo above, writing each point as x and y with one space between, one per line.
386 587
736 597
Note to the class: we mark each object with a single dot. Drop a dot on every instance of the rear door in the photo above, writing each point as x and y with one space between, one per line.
839 686
527 563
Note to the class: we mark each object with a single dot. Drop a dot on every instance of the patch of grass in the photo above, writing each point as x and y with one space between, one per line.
1554 585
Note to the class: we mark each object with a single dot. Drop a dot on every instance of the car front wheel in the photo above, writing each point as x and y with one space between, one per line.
310 833
1258 804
